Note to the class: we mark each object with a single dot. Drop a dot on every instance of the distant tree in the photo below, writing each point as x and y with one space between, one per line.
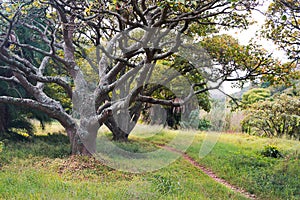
216 116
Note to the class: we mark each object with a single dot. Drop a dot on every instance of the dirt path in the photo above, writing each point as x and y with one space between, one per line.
210 173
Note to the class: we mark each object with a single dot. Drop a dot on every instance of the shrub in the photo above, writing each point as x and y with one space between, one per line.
277 117
1 146
271 151
204 124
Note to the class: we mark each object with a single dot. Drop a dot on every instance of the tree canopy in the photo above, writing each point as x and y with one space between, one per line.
283 26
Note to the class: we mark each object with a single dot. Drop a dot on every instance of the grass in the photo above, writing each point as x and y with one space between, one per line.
238 159
53 127
35 170
42 169
44 182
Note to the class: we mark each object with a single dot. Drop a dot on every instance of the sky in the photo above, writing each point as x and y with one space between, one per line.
244 36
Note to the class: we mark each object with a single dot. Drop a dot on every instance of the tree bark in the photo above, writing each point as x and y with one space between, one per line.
118 133
122 127
82 145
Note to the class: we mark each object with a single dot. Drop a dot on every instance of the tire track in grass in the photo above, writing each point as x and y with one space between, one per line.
210 173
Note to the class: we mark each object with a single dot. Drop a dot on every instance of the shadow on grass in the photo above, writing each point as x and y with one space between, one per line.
53 139
54 145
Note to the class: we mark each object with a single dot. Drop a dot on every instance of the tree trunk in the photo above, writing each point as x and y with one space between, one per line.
122 124
118 133
82 145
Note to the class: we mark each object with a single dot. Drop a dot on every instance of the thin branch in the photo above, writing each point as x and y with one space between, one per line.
12 78
152 100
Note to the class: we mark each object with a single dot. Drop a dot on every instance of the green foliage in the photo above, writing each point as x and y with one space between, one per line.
14 120
282 74
188 74
204 124
60 95
255 95
282 26
277 117
271 151
12 117
1 146
21 123
226 49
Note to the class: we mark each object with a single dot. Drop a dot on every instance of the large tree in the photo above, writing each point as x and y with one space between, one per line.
121 41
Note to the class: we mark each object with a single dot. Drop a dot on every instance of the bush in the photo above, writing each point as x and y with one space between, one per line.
271 151
1 146
204 124
274 118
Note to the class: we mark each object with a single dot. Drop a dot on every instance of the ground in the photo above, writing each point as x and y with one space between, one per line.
42 169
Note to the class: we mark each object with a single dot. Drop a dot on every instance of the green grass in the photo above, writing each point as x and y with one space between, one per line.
44 182
238 159
42 169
